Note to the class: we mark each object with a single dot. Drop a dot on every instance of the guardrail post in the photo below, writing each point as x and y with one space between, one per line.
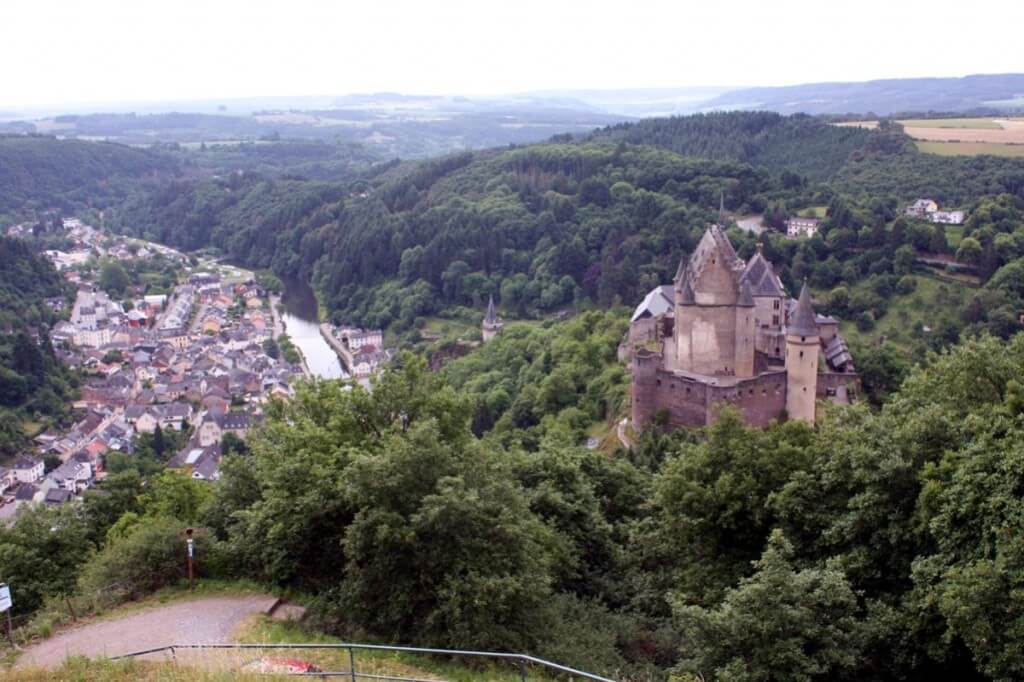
352 663
522 670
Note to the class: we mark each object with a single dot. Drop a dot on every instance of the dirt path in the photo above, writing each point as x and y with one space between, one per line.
199 621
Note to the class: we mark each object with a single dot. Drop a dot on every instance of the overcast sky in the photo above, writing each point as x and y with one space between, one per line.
138 50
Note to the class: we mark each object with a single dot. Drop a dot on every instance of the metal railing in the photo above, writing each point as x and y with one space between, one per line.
523 660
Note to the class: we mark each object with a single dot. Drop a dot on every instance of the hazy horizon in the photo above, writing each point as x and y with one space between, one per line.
112 52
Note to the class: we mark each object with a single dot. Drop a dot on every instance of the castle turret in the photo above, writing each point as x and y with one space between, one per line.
492 324
745 331
802 346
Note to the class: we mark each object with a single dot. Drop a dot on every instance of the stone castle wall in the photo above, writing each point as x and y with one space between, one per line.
689 402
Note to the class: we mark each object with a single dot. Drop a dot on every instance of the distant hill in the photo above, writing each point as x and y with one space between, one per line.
998 91
386 125
39 172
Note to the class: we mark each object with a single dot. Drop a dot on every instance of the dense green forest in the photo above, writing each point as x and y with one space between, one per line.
34 385
306 159
878 545
802 145
39 173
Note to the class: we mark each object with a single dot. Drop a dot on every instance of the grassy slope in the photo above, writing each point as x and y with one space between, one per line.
907 313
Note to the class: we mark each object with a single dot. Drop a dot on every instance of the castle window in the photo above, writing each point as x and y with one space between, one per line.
805 389
659 382
802 339
775 320
775 304
801 353
751 391
776 350
687 390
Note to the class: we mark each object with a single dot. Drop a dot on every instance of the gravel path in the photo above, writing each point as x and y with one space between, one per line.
207 620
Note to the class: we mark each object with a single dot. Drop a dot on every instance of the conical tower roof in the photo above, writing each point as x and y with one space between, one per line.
804 322
491 316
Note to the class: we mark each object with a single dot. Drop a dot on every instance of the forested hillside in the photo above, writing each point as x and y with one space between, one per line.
34 386
256 220
40 173
808 147
26 278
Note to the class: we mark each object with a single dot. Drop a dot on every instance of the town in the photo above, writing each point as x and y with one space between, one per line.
192 368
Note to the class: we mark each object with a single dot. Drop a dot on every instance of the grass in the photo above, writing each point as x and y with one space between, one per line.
225 665
86 670
401 664
966 123
970 148
954 234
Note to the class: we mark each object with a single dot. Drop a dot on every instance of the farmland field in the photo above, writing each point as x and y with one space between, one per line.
1010 131
977 123
870 125
970 148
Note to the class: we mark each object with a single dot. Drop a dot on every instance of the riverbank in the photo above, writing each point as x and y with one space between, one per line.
347 360
280 329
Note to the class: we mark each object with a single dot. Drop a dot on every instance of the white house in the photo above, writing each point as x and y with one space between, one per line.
802 227
28 469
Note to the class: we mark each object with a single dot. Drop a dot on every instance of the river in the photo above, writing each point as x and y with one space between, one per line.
303 328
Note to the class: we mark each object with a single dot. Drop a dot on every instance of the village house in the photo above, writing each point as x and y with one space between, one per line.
922 208
802 227
198 462
27 469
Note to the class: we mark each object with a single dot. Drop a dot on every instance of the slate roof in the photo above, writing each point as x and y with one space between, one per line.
803 322
761 275
659 301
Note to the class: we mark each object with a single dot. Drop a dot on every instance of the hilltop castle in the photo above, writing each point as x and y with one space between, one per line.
726 333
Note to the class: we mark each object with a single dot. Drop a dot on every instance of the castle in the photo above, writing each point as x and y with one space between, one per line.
726 333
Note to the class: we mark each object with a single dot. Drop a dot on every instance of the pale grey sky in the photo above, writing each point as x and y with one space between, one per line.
135 50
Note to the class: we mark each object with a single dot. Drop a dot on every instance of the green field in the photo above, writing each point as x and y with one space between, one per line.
973 123
954 233
970 148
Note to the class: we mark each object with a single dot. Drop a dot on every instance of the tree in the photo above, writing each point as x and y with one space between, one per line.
114 279
159 443
969 251
779 624
903 260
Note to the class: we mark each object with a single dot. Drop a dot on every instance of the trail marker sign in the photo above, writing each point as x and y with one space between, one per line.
5 597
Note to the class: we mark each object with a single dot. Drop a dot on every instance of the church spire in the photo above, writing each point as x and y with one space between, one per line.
721 208
491 316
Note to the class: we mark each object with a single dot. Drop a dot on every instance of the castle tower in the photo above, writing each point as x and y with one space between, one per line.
492 324
685 315
745 331
802 345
